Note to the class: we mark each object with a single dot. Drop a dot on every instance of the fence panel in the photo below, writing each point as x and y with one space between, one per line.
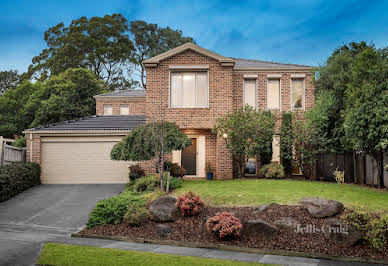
11 154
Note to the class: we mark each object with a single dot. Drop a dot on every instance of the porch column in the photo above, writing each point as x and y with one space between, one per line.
224 168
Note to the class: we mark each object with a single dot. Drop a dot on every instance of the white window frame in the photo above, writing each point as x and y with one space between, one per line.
256 91
192 72
123 105
280 94
110 105
303 95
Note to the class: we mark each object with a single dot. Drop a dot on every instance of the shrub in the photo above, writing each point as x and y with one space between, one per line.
286 143
20 142
175 169
136 214
273 170
339 176
377 234
189 204
135 171
224 225
175 183
358 220
112 210
17 177
145 184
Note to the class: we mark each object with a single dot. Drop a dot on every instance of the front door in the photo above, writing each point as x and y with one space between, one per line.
189 158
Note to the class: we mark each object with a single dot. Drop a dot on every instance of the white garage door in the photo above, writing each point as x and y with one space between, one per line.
81 160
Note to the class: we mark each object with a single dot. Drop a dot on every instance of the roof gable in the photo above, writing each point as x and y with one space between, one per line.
154 61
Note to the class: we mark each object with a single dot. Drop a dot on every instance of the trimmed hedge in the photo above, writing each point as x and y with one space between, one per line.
16 178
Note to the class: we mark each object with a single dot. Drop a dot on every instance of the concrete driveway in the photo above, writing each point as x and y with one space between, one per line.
45 213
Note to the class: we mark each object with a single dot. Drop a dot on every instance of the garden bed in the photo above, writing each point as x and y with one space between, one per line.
192 229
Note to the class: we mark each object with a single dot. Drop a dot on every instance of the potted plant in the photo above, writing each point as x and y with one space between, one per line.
209 170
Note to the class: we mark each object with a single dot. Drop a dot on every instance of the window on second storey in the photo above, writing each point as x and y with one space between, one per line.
273 94
297 91
189 90
124 110
250 92
108 110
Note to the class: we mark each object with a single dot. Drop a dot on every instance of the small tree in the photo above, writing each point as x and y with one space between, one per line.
152 140
305 143
286 140
247 132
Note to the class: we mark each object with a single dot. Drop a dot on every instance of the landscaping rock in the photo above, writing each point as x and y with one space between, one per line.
163 230
287 222
334 230
320 208
164 209
259 229
262 208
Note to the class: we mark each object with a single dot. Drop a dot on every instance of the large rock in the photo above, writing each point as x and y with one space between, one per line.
320 208
164 209
163 230
259 229
287 222
334 230
262 208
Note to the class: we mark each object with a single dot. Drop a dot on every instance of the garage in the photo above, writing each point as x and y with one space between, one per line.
78 152
81 160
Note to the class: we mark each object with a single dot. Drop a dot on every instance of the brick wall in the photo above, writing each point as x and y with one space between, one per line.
35 148
137 105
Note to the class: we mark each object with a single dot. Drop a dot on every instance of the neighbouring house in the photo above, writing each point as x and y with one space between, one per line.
188 85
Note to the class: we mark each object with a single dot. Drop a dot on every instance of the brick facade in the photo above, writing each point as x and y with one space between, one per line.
137 105
225 96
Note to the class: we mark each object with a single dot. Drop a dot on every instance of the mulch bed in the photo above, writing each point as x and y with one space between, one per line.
192 229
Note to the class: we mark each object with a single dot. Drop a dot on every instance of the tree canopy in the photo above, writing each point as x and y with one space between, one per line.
150 40
101 44
248 132
8 80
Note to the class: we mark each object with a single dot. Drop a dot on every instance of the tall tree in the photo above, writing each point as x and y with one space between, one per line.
66 96
150 40
8 80
335 76
101 44
366 114
248 132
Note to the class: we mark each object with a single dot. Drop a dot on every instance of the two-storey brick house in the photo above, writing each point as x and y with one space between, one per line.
188 85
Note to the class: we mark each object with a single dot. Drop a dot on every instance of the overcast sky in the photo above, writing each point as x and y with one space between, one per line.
290 31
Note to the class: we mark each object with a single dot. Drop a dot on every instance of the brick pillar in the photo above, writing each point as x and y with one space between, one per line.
224 168
33 146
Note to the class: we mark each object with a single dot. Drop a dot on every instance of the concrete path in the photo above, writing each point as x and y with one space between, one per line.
50 213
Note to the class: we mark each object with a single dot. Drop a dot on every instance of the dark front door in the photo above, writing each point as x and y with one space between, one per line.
189 158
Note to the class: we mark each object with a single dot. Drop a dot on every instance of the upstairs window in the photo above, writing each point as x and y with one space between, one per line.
273 94
250 96
108 109
189 90
297 91
124 110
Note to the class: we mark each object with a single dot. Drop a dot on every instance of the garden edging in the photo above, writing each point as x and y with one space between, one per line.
231 248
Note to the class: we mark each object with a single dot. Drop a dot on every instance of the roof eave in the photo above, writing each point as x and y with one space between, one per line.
78 132
275 69
112 96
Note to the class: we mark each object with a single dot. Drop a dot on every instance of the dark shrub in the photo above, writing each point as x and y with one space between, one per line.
286 143
175 183
112 210
189 204
135 171
273 171
224 225
175 169
145 184
136 214
17 177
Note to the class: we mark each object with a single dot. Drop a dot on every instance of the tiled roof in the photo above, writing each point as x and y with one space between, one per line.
108 122
249 64
126 93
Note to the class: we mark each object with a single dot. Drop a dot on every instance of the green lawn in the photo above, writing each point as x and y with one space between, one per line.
63 254
250 192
